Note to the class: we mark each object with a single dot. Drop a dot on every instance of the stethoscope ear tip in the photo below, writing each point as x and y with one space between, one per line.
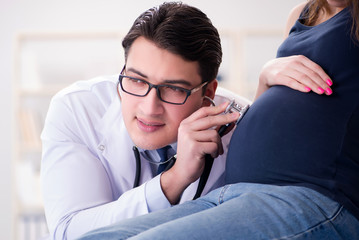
210 100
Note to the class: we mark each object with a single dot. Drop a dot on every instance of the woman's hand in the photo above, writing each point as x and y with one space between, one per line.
297 72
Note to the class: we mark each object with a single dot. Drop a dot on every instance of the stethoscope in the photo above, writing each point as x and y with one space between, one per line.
171 161
233 106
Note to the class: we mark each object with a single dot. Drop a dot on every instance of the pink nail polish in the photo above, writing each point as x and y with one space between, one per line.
307 89
321 90
328 91
329 82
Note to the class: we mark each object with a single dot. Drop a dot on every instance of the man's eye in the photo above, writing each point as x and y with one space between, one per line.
178 90
174 90
136 81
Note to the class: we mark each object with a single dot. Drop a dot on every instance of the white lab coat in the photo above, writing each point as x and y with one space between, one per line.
88 165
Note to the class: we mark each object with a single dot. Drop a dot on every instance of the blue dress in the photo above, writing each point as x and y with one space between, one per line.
293 138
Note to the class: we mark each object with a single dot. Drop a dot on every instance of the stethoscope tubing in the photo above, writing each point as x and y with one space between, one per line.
136 183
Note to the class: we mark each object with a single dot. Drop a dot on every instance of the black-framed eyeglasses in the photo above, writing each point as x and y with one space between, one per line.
166 93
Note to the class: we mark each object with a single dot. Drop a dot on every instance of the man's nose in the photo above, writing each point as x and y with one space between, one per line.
152 104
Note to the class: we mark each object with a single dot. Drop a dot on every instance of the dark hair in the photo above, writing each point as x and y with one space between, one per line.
182 30
314 6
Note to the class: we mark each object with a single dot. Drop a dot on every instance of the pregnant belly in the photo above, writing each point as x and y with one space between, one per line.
284 136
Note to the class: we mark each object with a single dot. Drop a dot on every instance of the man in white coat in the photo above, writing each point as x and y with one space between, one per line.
97 130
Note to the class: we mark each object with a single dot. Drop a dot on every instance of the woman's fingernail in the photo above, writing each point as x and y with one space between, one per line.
307 89
328 91
329 82
321 90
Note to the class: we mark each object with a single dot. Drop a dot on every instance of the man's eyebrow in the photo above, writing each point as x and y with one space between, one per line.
136 72
177 81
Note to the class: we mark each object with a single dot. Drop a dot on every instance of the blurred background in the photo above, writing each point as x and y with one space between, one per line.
46 45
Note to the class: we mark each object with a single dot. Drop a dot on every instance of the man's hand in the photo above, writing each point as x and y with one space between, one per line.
197 136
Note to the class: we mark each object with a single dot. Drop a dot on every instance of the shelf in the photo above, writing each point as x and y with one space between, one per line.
45 91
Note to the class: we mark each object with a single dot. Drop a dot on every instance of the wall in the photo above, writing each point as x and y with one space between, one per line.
89 15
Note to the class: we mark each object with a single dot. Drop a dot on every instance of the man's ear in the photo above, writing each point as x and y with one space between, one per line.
210 92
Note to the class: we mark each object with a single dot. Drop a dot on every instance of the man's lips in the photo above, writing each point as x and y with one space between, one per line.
149 126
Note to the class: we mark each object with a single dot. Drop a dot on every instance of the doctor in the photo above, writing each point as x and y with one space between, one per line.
96 130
